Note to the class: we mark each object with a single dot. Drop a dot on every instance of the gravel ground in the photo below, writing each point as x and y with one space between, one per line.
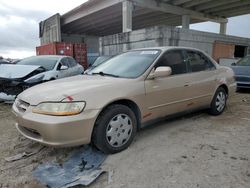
196 150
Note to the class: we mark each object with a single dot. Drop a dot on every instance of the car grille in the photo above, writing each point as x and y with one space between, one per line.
21 105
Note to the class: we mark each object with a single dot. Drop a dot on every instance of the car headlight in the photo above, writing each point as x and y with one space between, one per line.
35 79
59 108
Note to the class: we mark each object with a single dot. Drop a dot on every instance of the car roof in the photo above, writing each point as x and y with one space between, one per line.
165 48
57 56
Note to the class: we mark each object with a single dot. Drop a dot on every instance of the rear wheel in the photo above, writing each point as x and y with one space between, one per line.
219 101
115 129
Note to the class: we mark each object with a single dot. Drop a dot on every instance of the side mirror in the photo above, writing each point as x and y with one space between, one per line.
233 64
160 72
63 67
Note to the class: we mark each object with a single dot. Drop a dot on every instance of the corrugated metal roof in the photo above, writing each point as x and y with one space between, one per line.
104 17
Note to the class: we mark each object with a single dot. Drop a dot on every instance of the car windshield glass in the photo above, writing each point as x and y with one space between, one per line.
46 62
128 65
100 60
244 62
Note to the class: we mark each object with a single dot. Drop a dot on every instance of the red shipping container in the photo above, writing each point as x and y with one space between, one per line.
56 48
80 54
77 51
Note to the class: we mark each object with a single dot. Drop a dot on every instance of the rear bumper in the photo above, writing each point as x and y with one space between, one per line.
56 131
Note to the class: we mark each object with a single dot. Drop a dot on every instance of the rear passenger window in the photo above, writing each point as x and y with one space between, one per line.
175 60
199 62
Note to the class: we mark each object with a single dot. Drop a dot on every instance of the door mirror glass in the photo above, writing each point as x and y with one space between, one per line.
160 72
64 67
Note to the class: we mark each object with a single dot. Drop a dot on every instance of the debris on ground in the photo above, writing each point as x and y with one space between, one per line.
23 155
244 100
82 168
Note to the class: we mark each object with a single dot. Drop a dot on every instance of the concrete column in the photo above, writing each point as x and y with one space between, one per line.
127 8
100 46
185 21
223 28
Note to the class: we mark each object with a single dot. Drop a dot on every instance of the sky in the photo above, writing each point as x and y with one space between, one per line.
19 21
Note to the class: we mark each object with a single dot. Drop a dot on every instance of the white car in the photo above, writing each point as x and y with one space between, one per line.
34 70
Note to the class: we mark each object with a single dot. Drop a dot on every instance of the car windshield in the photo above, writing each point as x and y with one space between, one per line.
100 60
244 61
46 62
127 65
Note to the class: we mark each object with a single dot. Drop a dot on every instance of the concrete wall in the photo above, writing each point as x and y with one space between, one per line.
165 36
91 41
50 30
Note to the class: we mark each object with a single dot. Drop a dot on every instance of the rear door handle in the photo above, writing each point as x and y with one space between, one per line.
187 84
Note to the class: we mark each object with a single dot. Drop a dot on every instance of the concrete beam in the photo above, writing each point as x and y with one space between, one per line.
127 8
234 12
226 7
185 21
179 2
214 4
159 6
194 3
223 28
87 8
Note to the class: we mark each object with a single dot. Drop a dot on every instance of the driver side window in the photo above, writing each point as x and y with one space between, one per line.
175 60
63 62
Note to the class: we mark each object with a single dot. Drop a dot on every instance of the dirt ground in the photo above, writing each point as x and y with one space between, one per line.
196 150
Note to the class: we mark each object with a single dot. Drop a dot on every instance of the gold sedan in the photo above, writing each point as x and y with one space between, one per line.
129 91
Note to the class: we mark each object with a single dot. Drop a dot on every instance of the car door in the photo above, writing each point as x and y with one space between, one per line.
172 94
203 77
63 73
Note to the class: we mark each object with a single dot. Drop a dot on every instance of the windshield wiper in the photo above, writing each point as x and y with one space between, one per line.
105 74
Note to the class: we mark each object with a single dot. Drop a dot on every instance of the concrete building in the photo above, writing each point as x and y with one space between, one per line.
113 26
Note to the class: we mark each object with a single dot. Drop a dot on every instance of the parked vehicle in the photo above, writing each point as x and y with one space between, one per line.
35 70
15 61
97 62
126 93
242 72
2 61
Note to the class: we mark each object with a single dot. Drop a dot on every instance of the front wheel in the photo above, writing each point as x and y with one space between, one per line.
115 129
219 101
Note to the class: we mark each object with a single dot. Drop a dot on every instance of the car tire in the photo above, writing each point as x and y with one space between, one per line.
219 102
115 129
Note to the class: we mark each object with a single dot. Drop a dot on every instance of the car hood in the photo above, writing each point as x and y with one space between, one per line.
77 88
16 71
241 70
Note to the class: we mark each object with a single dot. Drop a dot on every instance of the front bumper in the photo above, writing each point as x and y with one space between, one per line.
12 86
54 130
243 81
243 84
